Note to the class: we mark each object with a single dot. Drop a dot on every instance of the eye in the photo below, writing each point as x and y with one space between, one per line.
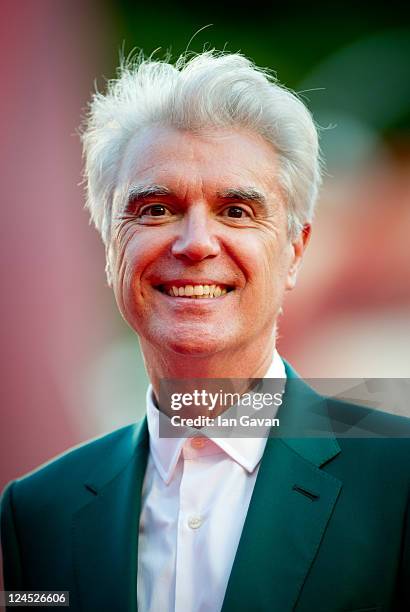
154 210
235 212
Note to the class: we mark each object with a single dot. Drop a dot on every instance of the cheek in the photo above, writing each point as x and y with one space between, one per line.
131 247
128 261
264 260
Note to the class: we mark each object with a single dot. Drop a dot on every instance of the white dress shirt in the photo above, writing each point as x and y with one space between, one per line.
195 498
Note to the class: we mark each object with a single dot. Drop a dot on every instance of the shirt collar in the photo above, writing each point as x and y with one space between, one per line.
165 452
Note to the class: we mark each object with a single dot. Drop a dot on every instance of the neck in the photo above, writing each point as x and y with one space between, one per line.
243 362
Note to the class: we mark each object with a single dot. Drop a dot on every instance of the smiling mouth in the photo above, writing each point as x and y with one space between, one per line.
195 291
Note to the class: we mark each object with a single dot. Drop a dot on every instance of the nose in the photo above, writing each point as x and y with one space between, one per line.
195 240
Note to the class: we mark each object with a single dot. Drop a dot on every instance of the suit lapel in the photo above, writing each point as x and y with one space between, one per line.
105 530
292 502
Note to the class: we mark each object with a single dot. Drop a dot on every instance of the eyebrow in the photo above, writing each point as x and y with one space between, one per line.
244 195
140 192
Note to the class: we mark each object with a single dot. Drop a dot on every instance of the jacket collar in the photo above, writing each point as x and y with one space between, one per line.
305 425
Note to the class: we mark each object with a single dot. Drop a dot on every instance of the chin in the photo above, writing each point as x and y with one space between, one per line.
195 343
195 349
192 346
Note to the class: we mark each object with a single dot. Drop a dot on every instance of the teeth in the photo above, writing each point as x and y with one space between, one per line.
197 291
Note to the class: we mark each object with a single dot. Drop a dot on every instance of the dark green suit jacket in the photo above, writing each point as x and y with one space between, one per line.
327 530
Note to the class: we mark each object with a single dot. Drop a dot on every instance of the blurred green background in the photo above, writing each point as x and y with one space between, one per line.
351 52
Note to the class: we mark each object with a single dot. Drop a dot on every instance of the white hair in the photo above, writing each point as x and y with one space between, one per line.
211 89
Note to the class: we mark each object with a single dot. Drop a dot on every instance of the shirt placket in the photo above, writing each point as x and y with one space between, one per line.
191 521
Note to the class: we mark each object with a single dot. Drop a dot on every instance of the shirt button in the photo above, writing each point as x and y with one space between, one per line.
198 442
194 522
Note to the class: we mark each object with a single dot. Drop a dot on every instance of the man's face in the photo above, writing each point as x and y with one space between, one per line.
205 215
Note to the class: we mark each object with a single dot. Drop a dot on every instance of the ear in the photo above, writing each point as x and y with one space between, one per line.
298 246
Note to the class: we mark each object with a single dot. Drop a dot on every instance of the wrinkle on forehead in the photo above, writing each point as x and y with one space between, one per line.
153 144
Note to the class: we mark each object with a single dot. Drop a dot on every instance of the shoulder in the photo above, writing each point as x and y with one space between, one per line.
373 442
355 420
60 478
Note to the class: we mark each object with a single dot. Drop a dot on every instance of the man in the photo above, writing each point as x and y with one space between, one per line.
202 179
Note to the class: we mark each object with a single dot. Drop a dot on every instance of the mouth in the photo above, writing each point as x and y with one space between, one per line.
195 291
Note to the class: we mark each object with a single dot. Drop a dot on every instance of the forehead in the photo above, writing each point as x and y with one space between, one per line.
216 157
